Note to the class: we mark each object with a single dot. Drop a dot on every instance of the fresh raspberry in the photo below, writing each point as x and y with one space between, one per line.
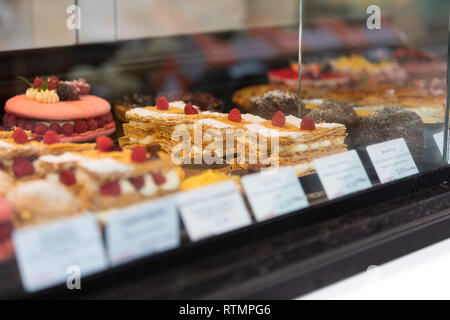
108 117
29 125
139 154
138 182
55 127
91 125
51 137
100 122
5 118
307 124
80 126
159 178
21 123
37 83
22 167
235 115
110 189
67 177
84 88
104 144
67 129
189 109
53 83
19 136
12 120
279 119
162 104
40 129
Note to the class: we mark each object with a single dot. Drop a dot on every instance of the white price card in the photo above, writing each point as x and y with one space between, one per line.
392 160
58 252
342 174
212 210
439 139
274 192
142 229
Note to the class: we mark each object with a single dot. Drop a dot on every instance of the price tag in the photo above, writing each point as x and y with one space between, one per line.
439 139
212 210
274 192
141 230
342 174
392 160
52 253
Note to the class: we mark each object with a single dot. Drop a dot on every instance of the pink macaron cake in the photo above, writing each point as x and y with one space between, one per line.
61 106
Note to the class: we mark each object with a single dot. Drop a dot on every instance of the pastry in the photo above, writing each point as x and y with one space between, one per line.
242 98
336 112
104 178
61 106
207 178
390 123
269 103
6 229
40 201
205 101
130 102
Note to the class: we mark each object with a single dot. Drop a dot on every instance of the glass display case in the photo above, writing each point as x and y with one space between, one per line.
211 149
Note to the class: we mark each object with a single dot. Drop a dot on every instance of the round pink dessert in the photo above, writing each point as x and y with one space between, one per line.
74 121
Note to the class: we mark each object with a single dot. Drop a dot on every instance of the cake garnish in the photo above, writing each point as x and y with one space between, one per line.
104 144
52 90
40 129
111 189
67 129
307 124
51 137
234 115
55 127
138 182
22 167
80 126
279 119
162 104
19 136
67 177
189 109
139 154
159 178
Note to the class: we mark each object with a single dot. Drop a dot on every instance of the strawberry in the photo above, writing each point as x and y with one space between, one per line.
162 104
235 115
111 189
139 154
67 177
104 144
279 119
307 124
22 167
51 137
19 136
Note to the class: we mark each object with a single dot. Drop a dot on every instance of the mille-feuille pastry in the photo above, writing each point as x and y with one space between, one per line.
19 153
105 179
300 141
39 201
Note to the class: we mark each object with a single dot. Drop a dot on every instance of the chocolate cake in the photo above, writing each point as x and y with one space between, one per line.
332 111
267 104
388 124
205 101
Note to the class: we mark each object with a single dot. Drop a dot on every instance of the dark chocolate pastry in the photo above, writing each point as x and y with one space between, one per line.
269 103
137 100
332 111
205 101
391 123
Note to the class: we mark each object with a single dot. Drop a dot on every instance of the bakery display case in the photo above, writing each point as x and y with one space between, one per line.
212 149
